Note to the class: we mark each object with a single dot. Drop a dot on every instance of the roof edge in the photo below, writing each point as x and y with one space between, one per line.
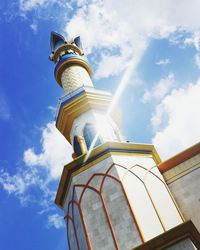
179 158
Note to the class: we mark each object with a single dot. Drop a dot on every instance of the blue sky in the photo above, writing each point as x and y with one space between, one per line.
157 42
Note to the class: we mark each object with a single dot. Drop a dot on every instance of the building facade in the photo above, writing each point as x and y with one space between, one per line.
114 194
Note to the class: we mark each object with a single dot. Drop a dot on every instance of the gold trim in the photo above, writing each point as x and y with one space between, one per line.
179 158
82 144
86 101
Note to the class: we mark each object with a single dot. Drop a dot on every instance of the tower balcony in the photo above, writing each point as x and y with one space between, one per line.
77 103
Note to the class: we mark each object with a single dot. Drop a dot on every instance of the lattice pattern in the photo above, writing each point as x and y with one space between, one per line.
75 77
109 196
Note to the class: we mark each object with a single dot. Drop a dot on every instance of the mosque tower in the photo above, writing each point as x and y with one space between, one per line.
112 193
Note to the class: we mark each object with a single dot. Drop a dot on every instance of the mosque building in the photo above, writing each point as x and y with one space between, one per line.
117 194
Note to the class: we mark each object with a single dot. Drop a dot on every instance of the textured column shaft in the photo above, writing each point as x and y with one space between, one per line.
75 77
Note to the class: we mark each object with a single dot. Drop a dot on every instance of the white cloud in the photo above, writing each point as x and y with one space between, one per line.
197 60
34 27
29 185
52 108
32 179
56 152
4 108
163 62
20 183
27 5
181 110
107 68
121 27
194 40
12 184
160 89
56 221
99 28
50 8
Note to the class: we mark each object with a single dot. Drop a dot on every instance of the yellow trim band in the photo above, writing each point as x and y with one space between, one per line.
71 110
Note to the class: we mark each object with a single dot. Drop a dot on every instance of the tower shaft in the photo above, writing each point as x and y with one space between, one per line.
112 194
75 77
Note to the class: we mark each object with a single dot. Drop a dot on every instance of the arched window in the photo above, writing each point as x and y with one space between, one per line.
89 133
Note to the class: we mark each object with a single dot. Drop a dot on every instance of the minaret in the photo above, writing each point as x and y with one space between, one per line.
112 193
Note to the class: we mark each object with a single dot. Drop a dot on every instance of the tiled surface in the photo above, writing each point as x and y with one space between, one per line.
71 235
183 245
75 77
80 230
182 169
95 218
186 191
122 222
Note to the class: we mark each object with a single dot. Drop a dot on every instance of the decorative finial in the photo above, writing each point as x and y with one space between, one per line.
60 47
